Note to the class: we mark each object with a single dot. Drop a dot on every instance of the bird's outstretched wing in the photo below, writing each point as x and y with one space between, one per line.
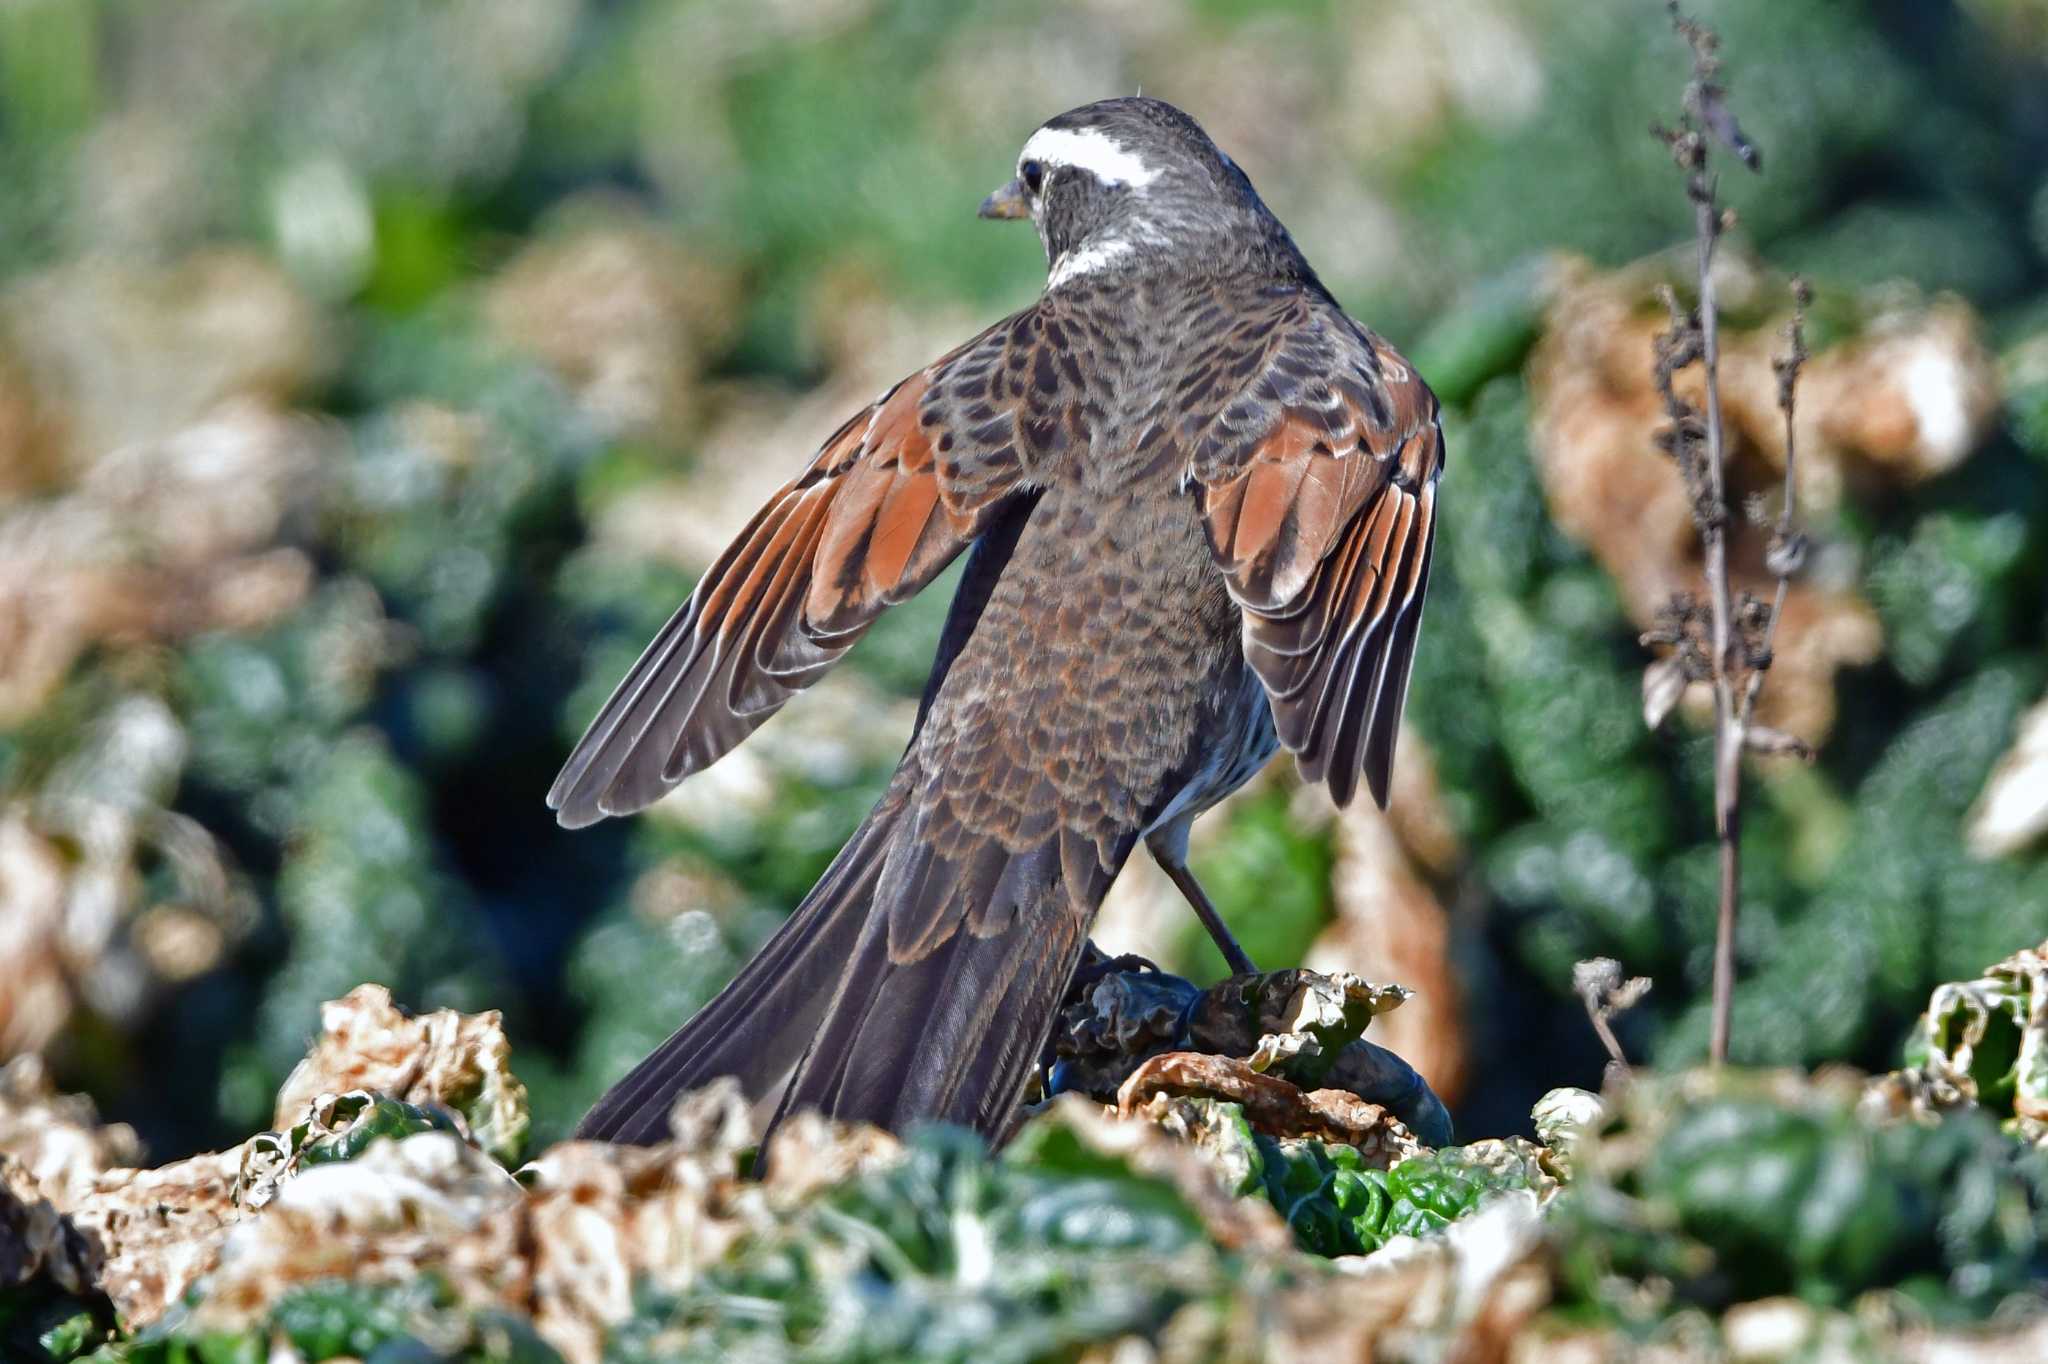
882 508
1317 477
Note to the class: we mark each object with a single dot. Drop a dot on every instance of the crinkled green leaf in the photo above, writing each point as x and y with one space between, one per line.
381 1117
1336 1206
1750 1187
951 1256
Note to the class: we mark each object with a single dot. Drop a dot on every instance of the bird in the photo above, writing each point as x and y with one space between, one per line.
1198 505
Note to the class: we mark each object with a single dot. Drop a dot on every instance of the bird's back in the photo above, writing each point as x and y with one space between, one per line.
1104 653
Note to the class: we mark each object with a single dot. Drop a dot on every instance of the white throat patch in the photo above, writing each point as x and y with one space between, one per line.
1087 260
1091 150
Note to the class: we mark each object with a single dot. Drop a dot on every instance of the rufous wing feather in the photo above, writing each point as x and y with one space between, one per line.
1323 527
869 522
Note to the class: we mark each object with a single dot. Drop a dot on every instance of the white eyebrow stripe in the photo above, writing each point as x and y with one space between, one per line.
1091 150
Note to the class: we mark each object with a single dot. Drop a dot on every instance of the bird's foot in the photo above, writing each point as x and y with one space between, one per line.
1095 964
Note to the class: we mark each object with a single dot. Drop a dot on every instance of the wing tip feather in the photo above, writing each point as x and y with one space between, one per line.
754 632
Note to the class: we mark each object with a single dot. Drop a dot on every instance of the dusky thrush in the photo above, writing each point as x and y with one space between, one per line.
1198 503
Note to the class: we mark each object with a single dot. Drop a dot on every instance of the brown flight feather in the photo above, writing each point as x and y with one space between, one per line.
871 520
1324 525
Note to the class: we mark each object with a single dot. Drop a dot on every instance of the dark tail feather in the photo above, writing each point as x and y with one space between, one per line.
952 1035
758 1026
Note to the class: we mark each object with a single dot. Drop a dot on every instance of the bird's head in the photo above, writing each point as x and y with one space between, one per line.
1130 184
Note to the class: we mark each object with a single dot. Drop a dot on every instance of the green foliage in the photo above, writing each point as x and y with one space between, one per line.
1866 948
1956 577
1272 881
441 509
43 1324
373 760
949 1256
1333 1202
1526 689
323 1321
1716 1194
1337 1206
372 1119
2027 403
636 979
1988 1037
366 900
415 1323
1484 335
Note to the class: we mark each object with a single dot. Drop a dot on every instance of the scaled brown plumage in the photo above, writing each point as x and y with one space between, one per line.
1201 503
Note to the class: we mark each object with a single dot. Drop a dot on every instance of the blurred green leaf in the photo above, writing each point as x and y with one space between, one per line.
1270 879
1739 1191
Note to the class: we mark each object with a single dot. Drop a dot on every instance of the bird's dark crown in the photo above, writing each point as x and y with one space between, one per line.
1128 185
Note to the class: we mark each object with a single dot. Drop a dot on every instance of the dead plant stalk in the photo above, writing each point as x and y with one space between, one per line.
1737 652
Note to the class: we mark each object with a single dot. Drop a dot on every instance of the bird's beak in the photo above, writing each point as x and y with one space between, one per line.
1008 202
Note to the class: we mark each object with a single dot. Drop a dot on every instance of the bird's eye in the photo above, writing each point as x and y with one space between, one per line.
1034 175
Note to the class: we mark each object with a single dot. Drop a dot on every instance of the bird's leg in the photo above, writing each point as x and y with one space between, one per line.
1205 910
1171 853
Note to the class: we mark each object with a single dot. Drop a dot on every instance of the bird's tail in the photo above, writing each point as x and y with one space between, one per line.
833 1015
756 1028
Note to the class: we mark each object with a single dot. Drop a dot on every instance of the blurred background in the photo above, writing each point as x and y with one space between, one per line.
375 378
